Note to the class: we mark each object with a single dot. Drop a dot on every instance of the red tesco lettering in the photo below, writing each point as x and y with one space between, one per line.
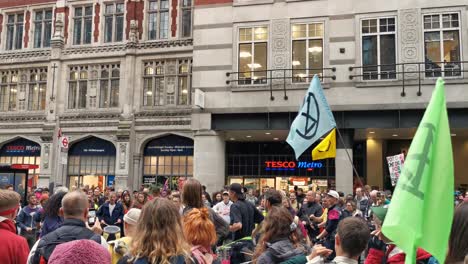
280 164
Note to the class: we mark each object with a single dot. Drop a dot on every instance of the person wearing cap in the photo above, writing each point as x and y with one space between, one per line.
223 208
14 249
333 219
243 214
118 248
382 250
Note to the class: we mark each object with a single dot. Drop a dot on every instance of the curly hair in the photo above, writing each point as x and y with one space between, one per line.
159 234
199 229
53 204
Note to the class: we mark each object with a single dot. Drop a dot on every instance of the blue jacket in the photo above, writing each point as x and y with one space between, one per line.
26 218
104 213
51 224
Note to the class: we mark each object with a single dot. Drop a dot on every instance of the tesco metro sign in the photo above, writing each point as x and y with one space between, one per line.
292 165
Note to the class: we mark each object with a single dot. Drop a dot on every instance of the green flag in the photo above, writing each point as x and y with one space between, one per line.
421 211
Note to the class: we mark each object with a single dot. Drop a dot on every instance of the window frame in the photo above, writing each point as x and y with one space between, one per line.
307 39
43 26
155 95
158 12
378 34
441 30
15 25
114 16
93 86
83 18
252 47
182 9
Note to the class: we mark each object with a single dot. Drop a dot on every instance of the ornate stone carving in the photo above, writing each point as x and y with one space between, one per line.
133 37
165 44
9 57
122 155
94 50
45 158
410 26
280 55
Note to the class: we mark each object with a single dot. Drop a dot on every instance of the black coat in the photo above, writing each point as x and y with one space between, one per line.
104 213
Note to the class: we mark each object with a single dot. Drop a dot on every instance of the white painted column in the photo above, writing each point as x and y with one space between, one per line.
344 171
209 159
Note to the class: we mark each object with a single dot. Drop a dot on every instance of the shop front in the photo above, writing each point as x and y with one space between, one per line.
20 151
257 165
91 162
168 158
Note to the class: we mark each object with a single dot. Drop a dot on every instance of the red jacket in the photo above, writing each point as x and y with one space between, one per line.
14 249
375 256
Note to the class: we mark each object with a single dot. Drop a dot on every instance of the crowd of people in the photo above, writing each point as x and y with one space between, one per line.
233 225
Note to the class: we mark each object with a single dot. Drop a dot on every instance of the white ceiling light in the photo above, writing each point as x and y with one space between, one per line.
296 63
149 93
275 138
371 132
267 133
232 139
248 136
395 135
245 54
185 91
453 135
315 49
254 65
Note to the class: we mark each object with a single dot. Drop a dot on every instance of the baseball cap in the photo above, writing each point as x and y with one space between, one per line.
132 216
333 194
236 187
225 193
379 211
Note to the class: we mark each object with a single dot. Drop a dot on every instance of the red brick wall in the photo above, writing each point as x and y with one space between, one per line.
27 25
174 18
97 17
211 2
135 12
12 3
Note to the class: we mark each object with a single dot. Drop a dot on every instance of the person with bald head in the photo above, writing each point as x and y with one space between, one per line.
308 211
75 213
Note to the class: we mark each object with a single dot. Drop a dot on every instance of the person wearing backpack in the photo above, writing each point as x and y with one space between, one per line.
75 212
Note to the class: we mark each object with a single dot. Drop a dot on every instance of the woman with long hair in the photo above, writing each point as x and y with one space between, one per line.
126 201
201 234
280 242
159 236
217 198
458 242
52 220
142 199
192 198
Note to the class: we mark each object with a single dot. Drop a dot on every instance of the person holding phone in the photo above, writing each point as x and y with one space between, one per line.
111 213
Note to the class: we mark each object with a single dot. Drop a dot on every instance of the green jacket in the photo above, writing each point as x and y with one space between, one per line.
300 259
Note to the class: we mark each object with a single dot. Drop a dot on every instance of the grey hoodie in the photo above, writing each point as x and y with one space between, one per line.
279 251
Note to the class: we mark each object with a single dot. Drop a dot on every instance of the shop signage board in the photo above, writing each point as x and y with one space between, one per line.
395 166
93 147
149 179
291 165
21 147
169 146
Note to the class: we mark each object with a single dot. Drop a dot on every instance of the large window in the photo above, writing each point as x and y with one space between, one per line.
8 90
167 83
114 22
37 89
442 45
186 18
253 53
378 48
158 19
15 31
307 50
94 86
23 89
83 25
42 28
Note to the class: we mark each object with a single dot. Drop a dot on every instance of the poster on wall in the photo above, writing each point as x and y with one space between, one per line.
395 166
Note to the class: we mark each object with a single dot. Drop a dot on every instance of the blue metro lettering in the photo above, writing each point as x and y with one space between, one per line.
309 165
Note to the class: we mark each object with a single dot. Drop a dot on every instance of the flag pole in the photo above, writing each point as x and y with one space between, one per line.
349 157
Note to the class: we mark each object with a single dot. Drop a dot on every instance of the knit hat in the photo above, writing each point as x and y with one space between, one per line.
80 252
132 216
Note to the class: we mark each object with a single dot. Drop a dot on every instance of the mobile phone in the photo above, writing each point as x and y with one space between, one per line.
91 216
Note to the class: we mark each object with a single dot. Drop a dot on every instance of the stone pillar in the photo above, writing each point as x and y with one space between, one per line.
121 171
209 159
375 165
343 162
280 47
137 179
409 24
